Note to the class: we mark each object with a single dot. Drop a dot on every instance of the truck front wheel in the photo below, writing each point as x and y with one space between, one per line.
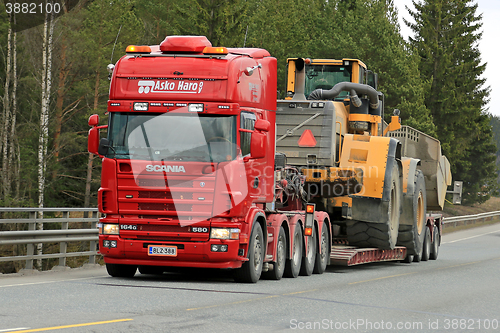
251 270
117 270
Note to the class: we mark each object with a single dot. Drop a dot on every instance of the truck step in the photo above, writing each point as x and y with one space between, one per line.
350 255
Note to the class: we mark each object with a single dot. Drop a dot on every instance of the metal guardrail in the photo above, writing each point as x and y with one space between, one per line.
64 235
32 236
466 219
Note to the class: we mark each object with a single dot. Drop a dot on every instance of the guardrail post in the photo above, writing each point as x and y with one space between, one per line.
63 246
93 244
30 248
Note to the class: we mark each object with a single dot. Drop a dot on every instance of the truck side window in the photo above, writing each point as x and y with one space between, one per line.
247 122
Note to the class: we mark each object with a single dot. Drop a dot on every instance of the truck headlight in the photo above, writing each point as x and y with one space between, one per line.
225 233
110 229
198 107
141 106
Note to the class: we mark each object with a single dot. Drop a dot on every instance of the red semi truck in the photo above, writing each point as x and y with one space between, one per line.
192 176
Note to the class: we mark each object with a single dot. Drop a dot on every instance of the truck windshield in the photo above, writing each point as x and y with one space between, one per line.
325 77
172 137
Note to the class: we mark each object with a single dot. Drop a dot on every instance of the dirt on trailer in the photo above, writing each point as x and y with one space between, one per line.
491 205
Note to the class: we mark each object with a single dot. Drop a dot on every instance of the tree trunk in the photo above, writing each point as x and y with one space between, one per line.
48 31
6 117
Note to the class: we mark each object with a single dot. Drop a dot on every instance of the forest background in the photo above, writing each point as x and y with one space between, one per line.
53 77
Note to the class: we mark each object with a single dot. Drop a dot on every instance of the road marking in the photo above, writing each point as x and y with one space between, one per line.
71 326
14 329
461 239
300 292
51 281
383 277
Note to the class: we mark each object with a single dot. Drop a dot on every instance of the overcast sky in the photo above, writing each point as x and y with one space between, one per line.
489 44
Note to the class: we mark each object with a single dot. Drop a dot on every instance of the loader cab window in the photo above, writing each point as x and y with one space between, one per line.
247 122
326 76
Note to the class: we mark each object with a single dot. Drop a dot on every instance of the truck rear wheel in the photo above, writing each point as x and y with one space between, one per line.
279 265
383 234
251 270
435 244
322 258
309 260
117 270
292 266
412 236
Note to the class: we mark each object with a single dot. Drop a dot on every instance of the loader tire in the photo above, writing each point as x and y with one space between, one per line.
382 235
412 236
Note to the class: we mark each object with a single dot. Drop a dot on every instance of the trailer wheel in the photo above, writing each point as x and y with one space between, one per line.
309 260
412 236
251 270
322 258
383 234
292 266
279 265
117 270
408 259
435 244
427 248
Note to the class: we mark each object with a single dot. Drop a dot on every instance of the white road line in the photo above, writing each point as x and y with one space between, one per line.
461 239
53 281
14 329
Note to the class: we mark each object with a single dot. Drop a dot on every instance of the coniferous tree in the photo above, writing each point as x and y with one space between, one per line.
447 33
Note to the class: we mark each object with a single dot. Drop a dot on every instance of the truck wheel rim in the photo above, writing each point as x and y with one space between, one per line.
257 257
280 253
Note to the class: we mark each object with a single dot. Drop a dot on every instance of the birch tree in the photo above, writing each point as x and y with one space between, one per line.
48 34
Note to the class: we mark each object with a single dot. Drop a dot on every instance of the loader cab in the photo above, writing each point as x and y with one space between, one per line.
326 73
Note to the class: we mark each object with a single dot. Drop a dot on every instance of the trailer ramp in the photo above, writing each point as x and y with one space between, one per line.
345 255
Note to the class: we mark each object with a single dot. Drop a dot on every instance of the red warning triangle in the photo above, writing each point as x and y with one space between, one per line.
307 139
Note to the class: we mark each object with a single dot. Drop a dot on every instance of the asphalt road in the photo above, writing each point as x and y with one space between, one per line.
460 292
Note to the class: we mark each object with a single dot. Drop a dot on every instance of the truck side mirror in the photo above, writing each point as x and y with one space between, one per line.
258 142
93 140
103 147
258 145
94 120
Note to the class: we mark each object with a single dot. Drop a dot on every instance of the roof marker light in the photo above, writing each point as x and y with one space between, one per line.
138 49
215 50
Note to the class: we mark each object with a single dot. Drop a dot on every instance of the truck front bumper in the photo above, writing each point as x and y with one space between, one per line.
188 254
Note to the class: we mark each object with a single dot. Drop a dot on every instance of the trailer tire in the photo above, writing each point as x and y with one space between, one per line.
325 246
309 260
117 270
251 270
412 236
292 266
279 265
408 259
383 234
426 252
435 244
